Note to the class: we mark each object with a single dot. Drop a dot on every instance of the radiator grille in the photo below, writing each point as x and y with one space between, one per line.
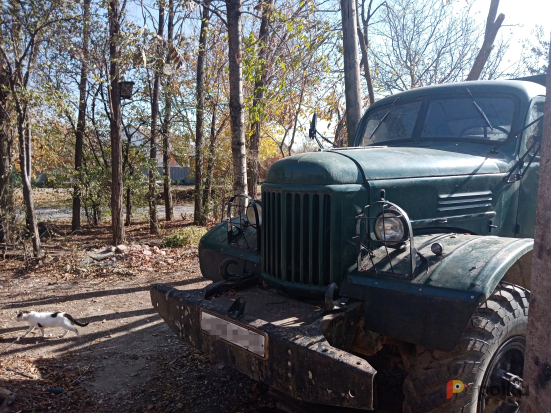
296 232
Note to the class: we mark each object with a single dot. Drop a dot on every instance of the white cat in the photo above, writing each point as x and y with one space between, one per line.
42 320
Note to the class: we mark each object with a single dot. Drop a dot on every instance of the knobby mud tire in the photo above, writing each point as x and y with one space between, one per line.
503 315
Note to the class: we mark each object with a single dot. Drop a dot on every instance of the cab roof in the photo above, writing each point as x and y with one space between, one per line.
524 90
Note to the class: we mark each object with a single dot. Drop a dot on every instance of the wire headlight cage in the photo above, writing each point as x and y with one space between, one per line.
244 222
383 231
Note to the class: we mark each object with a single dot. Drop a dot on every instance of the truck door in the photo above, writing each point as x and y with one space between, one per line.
528 190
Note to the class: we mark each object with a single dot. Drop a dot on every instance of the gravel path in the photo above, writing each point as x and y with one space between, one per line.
58 213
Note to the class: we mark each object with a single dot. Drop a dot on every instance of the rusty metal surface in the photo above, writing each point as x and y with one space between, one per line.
300 362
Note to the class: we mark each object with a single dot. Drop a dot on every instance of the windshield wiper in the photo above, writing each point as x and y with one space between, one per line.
515 135
383 118
480 111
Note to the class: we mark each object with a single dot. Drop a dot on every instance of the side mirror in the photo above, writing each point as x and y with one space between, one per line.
312 131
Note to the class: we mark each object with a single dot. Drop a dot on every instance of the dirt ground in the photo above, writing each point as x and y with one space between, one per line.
127 359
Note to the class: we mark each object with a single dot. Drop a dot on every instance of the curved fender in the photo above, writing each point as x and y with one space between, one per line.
434 308
214 249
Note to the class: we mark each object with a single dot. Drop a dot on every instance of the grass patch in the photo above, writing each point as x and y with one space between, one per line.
184 237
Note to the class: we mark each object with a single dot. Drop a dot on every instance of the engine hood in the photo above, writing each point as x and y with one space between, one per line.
349 166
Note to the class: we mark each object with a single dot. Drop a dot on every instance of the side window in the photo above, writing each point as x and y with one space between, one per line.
532 135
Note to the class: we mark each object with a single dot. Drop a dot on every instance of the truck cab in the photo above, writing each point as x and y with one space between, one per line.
410 240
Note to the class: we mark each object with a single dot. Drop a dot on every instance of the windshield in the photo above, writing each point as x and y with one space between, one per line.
398 124
447 118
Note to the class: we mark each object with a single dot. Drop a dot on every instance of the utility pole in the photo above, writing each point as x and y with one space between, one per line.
537 362
351 68
117 222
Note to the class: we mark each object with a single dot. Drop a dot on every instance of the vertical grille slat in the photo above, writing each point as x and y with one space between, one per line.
326 227
284 248
301 244
278 235
296 237
264 237
311 241
271 245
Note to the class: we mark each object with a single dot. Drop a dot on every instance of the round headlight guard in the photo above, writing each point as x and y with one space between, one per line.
251 216
380 226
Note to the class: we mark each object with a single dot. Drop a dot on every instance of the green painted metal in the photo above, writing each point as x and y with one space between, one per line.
444 186
469 269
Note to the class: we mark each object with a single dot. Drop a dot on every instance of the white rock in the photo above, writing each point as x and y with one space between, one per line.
121 248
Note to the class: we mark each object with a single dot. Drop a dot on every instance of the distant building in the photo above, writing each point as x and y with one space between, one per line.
180 174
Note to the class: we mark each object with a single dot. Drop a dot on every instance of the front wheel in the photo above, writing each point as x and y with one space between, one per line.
483 373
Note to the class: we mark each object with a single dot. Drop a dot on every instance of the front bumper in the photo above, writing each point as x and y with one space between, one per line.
298 360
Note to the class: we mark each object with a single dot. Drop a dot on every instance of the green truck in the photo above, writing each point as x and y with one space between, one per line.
412 249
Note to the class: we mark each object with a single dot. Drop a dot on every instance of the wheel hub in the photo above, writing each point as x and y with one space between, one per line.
501 389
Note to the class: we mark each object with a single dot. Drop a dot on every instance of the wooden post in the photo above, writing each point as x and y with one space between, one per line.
351 68
537 364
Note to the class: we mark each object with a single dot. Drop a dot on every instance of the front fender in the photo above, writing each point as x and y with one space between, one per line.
434 308
214 248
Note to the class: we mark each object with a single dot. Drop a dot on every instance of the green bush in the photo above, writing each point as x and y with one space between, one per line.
184 237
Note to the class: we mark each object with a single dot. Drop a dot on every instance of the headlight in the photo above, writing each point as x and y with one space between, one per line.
389 227
250 213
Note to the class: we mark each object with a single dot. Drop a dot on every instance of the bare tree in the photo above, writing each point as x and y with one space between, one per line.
235 57
492 27
198 215
158 72
351 68
537 367
259 87
535 56
81 122
367 12
167 193
422 42
26 28
6 145
117 222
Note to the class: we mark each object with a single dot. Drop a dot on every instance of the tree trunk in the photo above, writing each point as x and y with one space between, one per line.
207 192
235 57
351 68
364 42
6 173
492 27
167 183
24 132
259 86
214 134
116 141
128 206
297 114
198 216
81 122
537 362
153 220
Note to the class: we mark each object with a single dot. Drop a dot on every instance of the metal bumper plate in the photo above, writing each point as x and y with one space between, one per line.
233 333
298 361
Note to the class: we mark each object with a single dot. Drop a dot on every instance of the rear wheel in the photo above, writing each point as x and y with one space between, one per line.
489 359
